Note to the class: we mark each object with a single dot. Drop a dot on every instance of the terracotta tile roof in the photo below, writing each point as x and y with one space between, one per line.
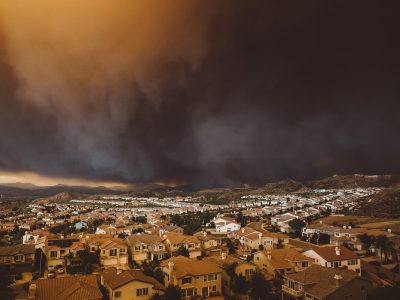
329 253
284 258
68 288
178 238
320 281
184 266
145 239
17 249
112 243
114 280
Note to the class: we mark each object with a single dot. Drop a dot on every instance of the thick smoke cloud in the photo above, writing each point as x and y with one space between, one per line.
200 92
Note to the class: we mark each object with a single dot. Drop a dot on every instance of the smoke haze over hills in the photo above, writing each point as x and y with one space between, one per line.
208 93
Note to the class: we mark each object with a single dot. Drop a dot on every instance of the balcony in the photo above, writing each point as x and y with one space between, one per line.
291 292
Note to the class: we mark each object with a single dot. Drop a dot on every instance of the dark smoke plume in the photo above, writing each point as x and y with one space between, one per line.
199 92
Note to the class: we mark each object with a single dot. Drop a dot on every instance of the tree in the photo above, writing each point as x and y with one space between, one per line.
280 244
297 225
6 292
173 293
183 251
40 261
230 245
240 285
387 293
366 241
259 287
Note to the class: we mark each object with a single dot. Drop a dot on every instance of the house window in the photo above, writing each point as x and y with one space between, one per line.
113 252
210 277
214 288
18 258
117 294
304 264
191 246
142 292
53 253
352 262
137 248
188 292
160 248
186 280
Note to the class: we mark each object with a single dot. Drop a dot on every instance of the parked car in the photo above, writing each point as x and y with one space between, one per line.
60 269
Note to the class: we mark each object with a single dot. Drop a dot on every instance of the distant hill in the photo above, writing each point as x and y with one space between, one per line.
384 204
354 181
18 191
286 186
60 198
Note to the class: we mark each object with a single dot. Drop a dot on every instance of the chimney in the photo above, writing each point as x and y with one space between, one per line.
320 222
337 250
119 271
337 278
170 269
32 291
389 230
204 233
242 230
223 255
269 255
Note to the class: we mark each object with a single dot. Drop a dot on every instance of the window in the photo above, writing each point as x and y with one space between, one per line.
142 292
113 252
214 288
188 292
18 258
137 248
210 277
117 294
160 247
352 262
304 264
53 253
186 280
248 272
191 246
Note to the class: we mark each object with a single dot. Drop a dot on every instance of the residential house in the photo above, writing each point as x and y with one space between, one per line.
113 253
174 241
319 283
239 267
106 229
17 259
335 257
211 244
252 239
225 225
283 221
59 251
82 287
171 228
279 262
192 276
146 247
130 285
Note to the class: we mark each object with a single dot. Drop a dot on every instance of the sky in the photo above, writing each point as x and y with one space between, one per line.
202 93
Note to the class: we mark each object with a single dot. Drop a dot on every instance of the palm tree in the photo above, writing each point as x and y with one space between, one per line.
366 241
385 246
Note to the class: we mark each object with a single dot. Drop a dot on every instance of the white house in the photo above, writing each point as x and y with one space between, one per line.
225 225
335 257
